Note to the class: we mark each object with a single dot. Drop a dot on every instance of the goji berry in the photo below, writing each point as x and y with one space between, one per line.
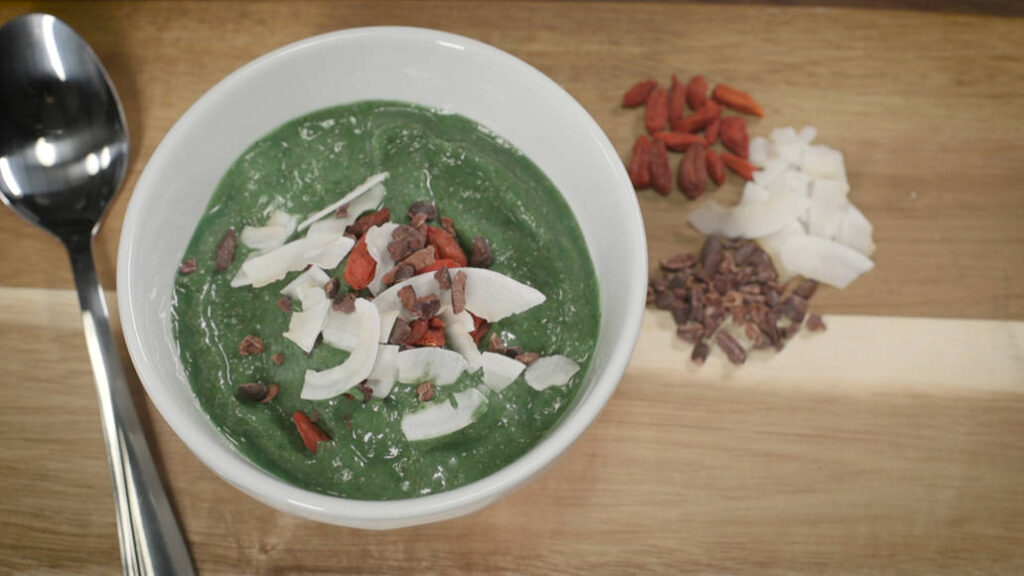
678 141
661 172
737 100
445 246
676 101
656 116
638 94
693 172
480 328
697 92
711 132
368 221
716 168
739 165
640 163
438 264
700 119
361 267
311 433
734 135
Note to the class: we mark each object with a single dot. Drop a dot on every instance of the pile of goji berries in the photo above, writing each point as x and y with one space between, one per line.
671 129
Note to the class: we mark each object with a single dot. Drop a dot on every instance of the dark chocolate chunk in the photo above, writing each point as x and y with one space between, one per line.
226 250
711 254
251 346
407 295
459 292
400 332
427 306
700 353
331 288
255 391
815 323
444 278
794 308
346 303
425 392
806 289
528 357
480 257
690 332
423 207
678 262
732 348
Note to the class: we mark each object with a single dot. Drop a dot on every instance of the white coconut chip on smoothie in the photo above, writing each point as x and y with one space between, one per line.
458 329
351 196
442 418
272 234
500 371
555 370
440 365
356 368
369 201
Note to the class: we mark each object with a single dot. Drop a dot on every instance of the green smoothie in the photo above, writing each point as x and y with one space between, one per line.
488 188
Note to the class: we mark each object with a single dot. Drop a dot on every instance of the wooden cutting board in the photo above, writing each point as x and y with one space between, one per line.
892 443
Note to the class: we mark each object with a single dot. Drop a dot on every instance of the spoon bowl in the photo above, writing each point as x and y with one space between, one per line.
63 154
63 135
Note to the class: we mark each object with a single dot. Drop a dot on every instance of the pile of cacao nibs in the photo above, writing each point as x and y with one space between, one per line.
730 294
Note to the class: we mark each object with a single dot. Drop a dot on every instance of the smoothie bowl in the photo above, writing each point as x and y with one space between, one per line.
382 277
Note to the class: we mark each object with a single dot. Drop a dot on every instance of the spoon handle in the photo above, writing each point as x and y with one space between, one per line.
151 541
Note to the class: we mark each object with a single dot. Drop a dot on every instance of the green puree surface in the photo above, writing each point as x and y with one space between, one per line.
489 189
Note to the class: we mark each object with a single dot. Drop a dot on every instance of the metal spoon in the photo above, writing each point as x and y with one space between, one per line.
63 153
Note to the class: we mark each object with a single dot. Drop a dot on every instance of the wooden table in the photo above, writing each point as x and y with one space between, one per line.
889 444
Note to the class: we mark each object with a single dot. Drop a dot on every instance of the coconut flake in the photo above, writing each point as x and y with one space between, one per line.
305 326
322 251
356 193
550 371
796 182
786 135
240 278
822 162
752 220
760 151
500 371
343 331
336 226
441 418
331 255
855 231
277 229
377 240
824 260
808 134
792 152
772 244
437 364
773 170
385 371
458 327
828 206
754 193
492 296
356 368
312 277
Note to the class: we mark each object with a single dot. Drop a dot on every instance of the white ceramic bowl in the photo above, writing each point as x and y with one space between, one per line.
426 67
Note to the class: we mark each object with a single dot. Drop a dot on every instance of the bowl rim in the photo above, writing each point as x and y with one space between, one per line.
264 486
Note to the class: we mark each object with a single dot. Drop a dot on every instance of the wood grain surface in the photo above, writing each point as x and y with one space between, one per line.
886 445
